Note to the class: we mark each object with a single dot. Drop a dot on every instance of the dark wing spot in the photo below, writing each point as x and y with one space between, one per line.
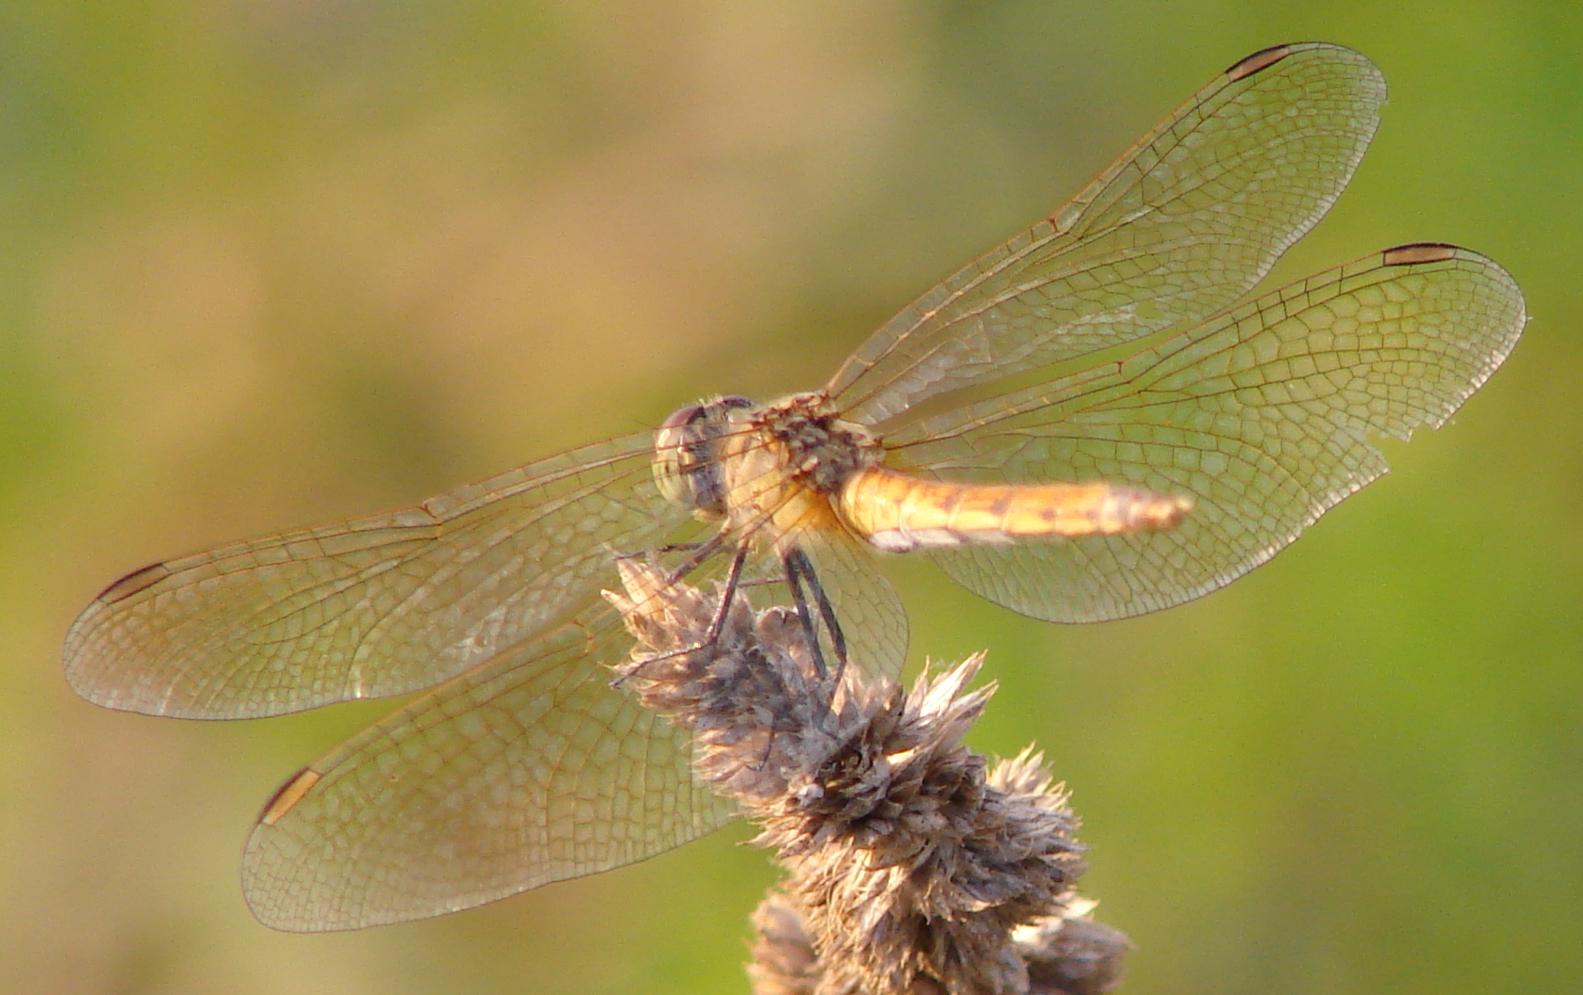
137 580
1259 61
1418 252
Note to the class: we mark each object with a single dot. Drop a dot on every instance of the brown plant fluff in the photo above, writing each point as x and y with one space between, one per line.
913 868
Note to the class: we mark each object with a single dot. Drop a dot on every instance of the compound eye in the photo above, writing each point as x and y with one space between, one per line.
671 472
682 417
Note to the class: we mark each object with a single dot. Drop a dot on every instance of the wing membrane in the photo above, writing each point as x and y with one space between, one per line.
525 770
371 607
1262 414
1181 225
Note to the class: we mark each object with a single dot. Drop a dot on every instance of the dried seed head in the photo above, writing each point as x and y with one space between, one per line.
913 867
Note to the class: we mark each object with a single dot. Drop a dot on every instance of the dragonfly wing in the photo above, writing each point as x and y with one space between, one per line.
525 770
371 607
1181 225
1263 415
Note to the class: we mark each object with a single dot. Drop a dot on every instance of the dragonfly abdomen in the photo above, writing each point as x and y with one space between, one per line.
898 513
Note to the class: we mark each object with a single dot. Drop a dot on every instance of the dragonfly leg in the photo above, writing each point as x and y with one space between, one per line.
701 551
670 547
831 623
728 594
793 562
763 581
800 575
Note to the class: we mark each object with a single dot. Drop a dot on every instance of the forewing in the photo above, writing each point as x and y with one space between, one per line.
1263 415
525 770
375 606
1181 225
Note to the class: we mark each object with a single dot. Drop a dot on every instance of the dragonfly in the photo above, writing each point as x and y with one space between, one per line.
1088 422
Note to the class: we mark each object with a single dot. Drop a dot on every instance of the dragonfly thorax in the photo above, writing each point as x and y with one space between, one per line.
815 447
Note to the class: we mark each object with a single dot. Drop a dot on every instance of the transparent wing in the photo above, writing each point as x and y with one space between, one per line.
525 770
1262 414
1181 225
374 606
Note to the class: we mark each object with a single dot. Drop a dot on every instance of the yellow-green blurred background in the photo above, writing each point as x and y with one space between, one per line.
268 263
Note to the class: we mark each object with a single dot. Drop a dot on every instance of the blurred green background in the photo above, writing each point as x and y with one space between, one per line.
271 263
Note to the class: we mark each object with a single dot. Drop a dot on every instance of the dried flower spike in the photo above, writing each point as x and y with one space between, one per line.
912 867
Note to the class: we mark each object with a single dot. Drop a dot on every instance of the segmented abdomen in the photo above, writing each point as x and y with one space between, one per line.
897 512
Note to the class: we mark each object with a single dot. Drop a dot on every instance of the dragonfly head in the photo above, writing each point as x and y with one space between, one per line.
686 466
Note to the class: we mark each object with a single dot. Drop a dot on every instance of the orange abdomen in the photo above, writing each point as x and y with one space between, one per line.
898 513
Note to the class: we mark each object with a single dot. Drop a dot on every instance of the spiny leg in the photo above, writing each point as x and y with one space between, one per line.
701 551
727 594
670 547
799 572
826 612
793 562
